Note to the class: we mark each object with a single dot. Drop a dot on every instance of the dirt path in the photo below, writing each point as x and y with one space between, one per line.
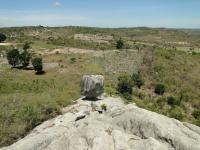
6 44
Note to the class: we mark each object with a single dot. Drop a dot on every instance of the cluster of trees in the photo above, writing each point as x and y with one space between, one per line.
2 37
126 83
23 59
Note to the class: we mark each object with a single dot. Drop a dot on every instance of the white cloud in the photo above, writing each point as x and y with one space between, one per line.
56 4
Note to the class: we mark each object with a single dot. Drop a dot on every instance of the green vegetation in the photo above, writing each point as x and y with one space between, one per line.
2 37
104 107
120 44
172 101
37 65
13 57
160 89
125 86
137 79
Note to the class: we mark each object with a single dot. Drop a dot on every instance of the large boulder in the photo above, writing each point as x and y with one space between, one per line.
121 127
92 86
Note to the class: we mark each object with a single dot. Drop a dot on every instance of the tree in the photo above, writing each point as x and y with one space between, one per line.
13 57
120 44
2 37
26 46
137 79
38 65
25 58
160 89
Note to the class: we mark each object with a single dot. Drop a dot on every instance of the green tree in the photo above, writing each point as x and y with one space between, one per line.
25 58
120 44
137 79
2 37
13 57
160 89
26 46
38 65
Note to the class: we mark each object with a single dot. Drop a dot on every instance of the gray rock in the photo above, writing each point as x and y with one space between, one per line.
92 86
122 127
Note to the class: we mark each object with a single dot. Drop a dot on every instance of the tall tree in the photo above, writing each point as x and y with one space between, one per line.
13 57
25 58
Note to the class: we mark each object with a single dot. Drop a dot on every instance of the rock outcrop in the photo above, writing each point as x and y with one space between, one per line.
92 86
121 127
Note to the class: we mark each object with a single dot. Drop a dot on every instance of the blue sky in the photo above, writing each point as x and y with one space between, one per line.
101 13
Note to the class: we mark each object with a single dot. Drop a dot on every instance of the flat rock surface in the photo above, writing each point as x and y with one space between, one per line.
121 127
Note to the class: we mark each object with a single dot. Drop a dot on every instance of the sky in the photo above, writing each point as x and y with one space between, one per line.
101 13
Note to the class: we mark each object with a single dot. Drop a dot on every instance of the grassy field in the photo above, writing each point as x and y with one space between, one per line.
161 55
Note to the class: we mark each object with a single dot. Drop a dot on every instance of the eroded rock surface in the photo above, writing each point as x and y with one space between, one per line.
121 127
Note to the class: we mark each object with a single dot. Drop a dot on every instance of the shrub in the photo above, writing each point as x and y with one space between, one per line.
2 37
25 58
127 96
196 114
137 79
13 57
120 44
172 101
104 107
73 60
38 65
177 113
125 84
160 89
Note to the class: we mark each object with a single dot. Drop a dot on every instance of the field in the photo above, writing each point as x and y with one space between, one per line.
167 56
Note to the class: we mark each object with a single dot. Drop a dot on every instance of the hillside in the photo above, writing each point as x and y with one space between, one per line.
167 56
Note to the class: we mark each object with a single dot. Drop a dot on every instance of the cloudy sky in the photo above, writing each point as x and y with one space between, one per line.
101 13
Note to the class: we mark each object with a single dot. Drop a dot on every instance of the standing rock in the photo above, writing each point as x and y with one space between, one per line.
92 86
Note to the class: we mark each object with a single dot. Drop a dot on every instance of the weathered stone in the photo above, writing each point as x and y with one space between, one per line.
92 86
122 127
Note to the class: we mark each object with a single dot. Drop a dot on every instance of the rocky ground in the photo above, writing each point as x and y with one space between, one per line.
85 126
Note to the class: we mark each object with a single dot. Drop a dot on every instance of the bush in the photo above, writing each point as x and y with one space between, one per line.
137 79
125 84
38 65
160 89
13 57
2 37
120 44
73 60
172 101
104 107
196 114
127 96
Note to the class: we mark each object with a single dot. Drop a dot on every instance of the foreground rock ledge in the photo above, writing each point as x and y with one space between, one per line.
84 126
